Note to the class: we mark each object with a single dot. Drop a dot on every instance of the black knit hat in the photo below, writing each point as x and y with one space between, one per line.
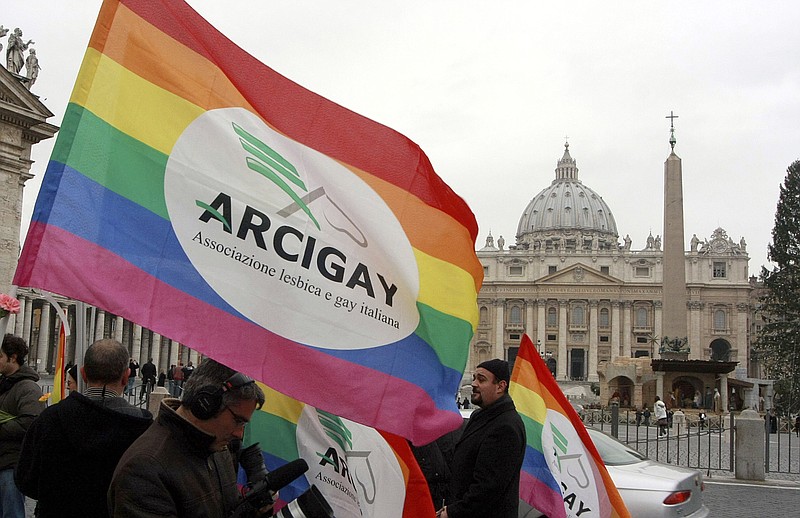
497 367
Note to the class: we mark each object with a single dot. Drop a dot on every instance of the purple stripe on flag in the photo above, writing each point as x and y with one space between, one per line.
144 299
552 503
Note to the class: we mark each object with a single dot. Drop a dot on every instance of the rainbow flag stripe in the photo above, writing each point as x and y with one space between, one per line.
558 447
197 192
377 466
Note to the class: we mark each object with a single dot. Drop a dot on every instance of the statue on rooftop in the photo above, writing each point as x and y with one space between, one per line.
15 51
32 68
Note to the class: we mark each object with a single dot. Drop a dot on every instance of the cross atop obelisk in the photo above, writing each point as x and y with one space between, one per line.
671 118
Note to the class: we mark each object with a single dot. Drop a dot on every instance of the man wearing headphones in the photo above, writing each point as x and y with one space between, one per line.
182 465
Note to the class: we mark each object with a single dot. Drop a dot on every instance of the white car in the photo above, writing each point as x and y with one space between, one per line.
649 489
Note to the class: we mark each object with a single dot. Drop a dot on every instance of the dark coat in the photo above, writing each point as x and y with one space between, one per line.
484 478
148 371
19 396
70 453
170 471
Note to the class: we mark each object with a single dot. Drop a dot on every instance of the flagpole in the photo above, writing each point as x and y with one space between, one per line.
80 338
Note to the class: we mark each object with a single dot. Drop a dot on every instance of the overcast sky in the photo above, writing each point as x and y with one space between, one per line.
489 90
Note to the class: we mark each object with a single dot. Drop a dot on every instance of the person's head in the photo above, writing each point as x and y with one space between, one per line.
149 360
490 382
106 364
220 401
658 398
72 378
12 354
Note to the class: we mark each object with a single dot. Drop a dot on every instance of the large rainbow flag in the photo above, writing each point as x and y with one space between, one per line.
197 192
361 472
562 473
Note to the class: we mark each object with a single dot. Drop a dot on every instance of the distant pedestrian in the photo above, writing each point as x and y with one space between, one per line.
148 372
797 425
638 417
660 414
646 416
133 365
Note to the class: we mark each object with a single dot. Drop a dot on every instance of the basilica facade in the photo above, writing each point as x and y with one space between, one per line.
593 304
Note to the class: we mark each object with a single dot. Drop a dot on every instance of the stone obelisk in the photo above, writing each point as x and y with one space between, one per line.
674 291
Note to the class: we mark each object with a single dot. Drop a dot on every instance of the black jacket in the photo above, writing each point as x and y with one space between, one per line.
71 450
19 396
484 478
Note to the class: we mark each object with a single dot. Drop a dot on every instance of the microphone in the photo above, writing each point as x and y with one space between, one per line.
283 476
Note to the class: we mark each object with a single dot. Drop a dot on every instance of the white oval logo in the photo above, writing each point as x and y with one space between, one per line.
290 238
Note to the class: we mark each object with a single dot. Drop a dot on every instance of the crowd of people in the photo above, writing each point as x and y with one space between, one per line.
94 454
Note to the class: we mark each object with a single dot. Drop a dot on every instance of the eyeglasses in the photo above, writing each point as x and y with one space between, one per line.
240 421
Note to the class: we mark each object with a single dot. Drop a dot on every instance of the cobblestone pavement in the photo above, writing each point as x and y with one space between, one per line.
737 499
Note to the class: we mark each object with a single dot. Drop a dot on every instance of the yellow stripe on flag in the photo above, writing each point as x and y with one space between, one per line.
446 288
281 405
131 104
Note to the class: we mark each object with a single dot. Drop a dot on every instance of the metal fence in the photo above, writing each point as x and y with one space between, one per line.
689 440
781 446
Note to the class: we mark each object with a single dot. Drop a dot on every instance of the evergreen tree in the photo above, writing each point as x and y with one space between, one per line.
779 342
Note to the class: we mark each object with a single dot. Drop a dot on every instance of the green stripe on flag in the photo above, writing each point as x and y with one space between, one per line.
276 435
111 158
447 335
533 431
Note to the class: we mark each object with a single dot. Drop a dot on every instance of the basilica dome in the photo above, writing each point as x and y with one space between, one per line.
567 215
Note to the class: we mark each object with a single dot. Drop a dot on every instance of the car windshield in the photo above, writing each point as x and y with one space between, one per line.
613 452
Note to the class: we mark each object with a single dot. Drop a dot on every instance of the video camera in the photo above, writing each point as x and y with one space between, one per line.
262 485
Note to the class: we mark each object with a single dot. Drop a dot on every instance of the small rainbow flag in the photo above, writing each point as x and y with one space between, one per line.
361 472
562 473
197 192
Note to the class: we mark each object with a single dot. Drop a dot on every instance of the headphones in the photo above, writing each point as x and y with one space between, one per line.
208 401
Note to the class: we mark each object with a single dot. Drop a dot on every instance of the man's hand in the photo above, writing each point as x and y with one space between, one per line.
442 513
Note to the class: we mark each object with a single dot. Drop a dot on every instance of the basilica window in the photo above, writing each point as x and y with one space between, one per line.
641 317
551 270
719 270
604 270
515 270
484 315
604 318
578 316
642 271
516 315
552 317
720 320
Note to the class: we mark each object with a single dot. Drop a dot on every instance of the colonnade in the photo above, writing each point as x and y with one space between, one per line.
38 324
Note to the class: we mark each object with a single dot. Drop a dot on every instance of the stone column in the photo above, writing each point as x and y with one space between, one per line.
723 392
175 352
26 325
100 327
163 352
614 329
743 350
657 327
136 347
499 329
194 357
660 385
44 337
155 352
592 374
118 326
695 347
541 324
529 303
626 329
19 320
562 340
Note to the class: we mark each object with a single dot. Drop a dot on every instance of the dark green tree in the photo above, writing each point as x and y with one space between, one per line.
778 345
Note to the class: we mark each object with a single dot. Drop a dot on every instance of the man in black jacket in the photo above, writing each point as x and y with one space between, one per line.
148 378
71 450
485 471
